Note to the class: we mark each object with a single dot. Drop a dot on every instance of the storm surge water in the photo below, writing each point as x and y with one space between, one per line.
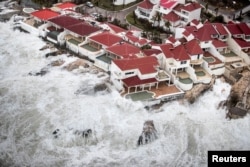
33 107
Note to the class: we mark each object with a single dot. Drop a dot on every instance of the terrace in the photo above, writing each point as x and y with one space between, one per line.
89 48
202 74
185 82
164 91
211 59
33 22
231 57
104 58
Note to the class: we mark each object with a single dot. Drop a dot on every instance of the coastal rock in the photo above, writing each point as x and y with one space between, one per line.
85 133
149 133
76 64
238 102
89 89
197 90
57 63
100 87
42 72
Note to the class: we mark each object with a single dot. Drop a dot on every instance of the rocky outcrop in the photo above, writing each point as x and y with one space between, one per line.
238 102
85 133
42 72
149 133
76 64
197 90
57 63
100 87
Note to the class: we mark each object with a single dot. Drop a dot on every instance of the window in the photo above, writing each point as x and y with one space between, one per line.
183 62
128 73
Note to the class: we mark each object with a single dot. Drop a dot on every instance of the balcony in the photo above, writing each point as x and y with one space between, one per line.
196 62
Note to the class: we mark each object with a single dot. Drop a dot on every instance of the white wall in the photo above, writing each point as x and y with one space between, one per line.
121 2
29 28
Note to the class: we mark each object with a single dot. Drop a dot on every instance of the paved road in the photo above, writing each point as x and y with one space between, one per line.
120 15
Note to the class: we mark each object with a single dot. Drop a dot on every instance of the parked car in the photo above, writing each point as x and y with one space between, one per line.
95 15
89 4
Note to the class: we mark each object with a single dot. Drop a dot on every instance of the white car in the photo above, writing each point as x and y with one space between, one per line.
89 4
95 15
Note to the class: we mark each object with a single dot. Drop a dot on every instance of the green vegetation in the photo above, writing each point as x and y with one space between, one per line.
45 3
148 30
230 4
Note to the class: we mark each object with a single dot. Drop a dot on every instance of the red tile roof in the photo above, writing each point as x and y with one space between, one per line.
242 43
146 4
187 7
132 38
193 47
66 5
146 65
191 6
106 38
186 33
45 14
179 53
115 28
142 41
124 50
205 33
171 16
82 29
195 22
150 52
234 29
220 28
171 39
136 81
169 4
219 44
244 28
64 21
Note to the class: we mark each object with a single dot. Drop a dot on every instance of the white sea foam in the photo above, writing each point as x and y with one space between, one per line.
32 107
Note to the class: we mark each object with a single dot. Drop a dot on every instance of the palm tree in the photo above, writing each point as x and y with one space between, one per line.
216 11
206 7
158 18
167 24
134 17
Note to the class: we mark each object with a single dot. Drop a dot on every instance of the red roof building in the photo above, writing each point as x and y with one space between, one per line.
146 4
45 14
83 29
171 16
178 53
193 47
244 28
115 28
168 4
242 43
234 29
150 52
206 33
219 44
66 5
64 21
136 81
107 39
220 28
146 65
124 50
189 7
